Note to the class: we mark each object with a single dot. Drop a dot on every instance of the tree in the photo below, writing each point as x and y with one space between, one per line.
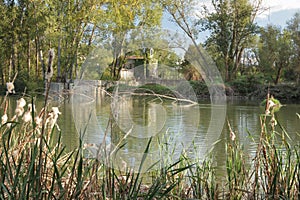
3 42
294 28
182 13
29 28
275 52
188 70
72 21
232 29
123 16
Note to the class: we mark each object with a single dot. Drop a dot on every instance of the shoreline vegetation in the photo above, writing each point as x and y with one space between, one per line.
34 164
285 92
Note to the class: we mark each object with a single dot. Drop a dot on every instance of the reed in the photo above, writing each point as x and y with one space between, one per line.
35 164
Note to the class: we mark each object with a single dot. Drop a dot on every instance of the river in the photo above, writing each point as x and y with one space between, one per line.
173 127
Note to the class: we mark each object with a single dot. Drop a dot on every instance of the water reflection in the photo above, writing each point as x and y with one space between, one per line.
172 124
136 119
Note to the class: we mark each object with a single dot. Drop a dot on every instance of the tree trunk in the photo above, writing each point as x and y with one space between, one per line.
278 75
2 76
92 35
13 56
119 40
227 68
42 62
28 56
37 74
2 71
59 59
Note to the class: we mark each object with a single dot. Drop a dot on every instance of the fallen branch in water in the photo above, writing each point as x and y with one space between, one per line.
162 96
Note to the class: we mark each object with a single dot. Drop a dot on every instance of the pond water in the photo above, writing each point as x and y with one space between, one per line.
131 121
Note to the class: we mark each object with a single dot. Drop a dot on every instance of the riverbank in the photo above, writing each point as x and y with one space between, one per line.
286 93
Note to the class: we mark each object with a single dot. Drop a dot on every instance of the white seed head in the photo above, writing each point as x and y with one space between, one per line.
38 120
4 119
271 104
27 117
52 118
21 102
10 87
30 107
19 111
232 136
56 111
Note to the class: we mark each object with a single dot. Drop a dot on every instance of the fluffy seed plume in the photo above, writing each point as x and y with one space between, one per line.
39 119
4 117
10 85
20 107
27 117
51 120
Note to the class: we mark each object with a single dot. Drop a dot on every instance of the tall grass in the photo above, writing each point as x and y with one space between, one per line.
34 164
276 164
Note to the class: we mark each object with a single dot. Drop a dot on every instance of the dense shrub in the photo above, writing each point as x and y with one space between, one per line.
244 85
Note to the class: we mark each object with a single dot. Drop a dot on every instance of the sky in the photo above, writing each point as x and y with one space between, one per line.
274 5
278 12
278 5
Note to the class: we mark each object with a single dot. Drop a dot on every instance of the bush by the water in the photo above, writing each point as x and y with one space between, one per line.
283 92
245 85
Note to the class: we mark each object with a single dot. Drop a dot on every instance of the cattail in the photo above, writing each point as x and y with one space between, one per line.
21 102
49 72
20 107
52 118
232 134
271 104
4 118
38 119
19 111
10 85
28 114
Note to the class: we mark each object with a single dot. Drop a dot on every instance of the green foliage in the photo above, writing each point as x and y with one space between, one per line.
156 89
232 31
245 85
275 52
72 28
120 19
293 27
28 29
200 88
283 92
106 75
